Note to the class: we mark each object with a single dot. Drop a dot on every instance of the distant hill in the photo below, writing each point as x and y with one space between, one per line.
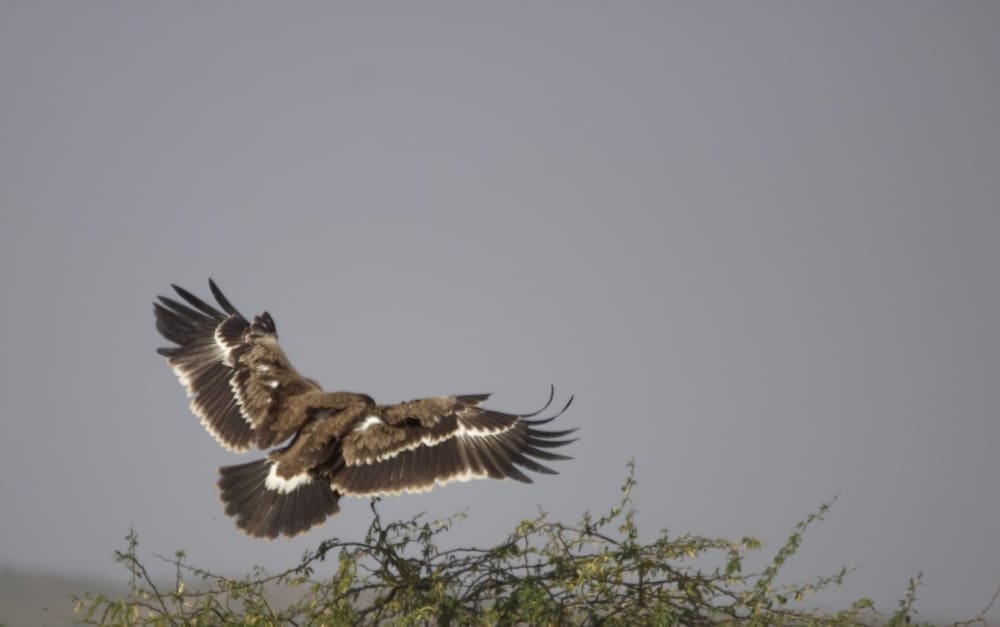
29 599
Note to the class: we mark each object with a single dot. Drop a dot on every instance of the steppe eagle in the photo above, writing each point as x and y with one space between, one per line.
247 393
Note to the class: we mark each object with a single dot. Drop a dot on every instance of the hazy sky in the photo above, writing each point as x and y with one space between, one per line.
759 241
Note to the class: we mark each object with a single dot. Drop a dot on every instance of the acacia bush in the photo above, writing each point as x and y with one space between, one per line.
592 572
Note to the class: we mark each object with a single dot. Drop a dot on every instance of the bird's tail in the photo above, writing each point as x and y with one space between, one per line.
266 505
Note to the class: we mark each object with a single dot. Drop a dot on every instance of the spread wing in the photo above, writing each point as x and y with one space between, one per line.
412 446
241 384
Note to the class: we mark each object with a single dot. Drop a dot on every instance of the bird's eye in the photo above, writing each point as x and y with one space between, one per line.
412 422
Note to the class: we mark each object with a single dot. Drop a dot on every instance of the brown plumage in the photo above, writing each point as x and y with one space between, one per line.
247 393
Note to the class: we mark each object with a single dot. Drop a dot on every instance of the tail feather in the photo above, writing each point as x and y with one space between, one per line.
263 512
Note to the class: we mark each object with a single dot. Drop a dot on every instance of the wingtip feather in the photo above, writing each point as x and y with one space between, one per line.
221 298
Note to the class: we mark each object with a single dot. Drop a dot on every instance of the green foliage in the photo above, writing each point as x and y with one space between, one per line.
594 572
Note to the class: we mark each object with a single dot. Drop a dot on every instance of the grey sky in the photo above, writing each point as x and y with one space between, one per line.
759 242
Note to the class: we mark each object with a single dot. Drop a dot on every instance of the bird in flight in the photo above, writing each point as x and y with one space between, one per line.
247 393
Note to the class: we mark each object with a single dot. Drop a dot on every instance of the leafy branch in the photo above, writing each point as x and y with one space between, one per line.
596 571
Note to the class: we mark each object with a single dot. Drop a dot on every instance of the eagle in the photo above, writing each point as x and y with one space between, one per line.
328 444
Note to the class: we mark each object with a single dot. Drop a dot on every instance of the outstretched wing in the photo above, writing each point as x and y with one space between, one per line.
236 374
412 446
